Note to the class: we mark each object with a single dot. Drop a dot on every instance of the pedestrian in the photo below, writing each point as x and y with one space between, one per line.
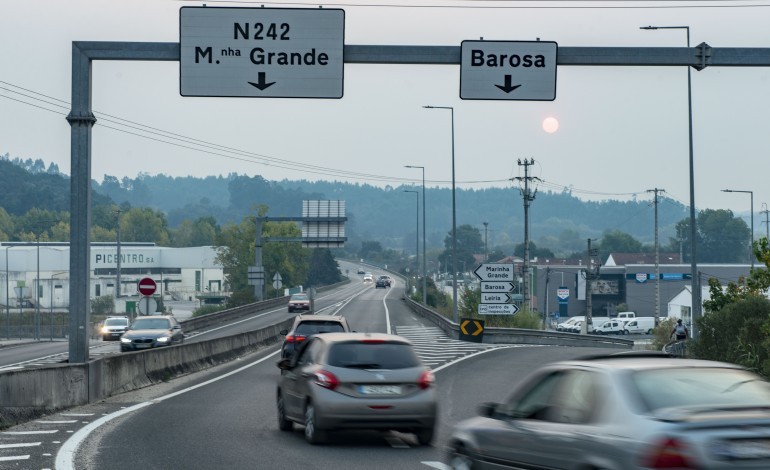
681 331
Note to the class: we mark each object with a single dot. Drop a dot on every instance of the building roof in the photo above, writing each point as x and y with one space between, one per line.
623 259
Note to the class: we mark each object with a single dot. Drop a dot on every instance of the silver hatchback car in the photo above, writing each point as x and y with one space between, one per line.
356 381
623 411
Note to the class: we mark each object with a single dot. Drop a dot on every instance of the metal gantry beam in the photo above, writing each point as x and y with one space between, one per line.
81 119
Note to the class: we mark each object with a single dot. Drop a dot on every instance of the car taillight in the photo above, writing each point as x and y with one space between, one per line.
668 453
426 380
326 379
295 338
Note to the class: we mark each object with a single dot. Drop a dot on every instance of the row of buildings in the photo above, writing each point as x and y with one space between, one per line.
37 274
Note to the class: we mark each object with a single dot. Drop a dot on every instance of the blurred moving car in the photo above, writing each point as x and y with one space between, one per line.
299 301
151 332
356 381
361 271
368 277
307 325
623 411
383 282
113 327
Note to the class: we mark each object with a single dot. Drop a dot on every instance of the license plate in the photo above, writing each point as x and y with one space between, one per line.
751 449
380 389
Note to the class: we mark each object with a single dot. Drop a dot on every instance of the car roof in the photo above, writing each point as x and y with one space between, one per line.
643 360
312 317
360 337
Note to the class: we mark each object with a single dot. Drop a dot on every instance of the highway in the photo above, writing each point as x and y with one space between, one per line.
225 417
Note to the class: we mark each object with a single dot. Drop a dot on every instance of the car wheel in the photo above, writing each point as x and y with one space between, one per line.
312 434
291 310
649 332
425 436
105 338
283 423
460 460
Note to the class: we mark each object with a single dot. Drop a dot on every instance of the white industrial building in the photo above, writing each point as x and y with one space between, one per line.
180 273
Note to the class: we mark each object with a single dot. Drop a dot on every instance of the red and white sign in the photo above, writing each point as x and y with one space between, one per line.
147 286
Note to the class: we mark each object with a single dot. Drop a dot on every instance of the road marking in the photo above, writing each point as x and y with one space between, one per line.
16 457
396 442
21 433
69 421
23 444
438 465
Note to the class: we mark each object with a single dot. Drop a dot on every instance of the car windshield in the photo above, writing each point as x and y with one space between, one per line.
150 324
115 322
364 355
700 386
314 327
299 297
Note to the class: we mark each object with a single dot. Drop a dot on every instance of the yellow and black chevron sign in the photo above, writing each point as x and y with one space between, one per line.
471 329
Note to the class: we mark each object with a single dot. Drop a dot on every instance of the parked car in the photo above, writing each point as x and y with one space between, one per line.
151 332
356 381
626 315
567 324
623 411
113 327
611 327
299 301
307 325
640 325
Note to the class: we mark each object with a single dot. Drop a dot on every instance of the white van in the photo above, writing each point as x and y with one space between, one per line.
640 325
596 321
568 324
626 315
611 327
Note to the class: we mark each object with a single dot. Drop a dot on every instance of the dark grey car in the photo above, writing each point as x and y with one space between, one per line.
356 381
151 332
623 411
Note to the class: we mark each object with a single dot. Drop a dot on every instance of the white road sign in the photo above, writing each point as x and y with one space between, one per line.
508 70
498 309
492 298
261 52
489 286
495 272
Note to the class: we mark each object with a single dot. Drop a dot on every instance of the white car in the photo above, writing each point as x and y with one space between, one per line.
368 277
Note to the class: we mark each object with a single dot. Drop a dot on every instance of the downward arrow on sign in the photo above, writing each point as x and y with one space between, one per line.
507 87
261 82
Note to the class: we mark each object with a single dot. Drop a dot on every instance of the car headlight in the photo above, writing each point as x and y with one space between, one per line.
163 339
125 340
105 330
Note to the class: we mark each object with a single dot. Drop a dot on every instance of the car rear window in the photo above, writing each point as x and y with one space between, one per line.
299 297
116 322
363 355
698 386
314 327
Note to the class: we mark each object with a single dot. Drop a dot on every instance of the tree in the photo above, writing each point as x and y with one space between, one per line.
469 243
144 225
370 249
615 241
720 237
324 269
534 251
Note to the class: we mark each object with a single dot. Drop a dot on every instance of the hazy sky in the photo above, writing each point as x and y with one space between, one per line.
622 130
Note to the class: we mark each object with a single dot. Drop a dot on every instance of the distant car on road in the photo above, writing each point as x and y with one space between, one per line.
361 271
299 301
113 327
151 332
368 277
356 381
623 411
383 282
308 325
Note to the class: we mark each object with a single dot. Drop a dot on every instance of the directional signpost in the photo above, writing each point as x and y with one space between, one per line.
496 285
508 70
261 52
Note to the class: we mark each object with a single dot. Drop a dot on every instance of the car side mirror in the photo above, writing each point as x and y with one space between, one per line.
177 327
284 364
283 332
487 409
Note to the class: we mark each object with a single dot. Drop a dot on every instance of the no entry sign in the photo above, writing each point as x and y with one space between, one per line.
147 286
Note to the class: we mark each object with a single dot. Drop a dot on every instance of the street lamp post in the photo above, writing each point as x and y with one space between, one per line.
695 281
751 245
417 234
455 317
424 249
7 297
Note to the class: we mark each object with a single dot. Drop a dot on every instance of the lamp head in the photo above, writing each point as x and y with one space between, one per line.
648 27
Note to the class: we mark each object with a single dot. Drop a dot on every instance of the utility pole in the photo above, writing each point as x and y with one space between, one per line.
590 276
767 227
486 247
657 256
117 276
527 199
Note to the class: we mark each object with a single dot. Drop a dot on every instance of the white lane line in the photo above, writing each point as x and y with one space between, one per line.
438 465
387 312
396 442
23 433
65 456
69 421
78 414
23 444
15 457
